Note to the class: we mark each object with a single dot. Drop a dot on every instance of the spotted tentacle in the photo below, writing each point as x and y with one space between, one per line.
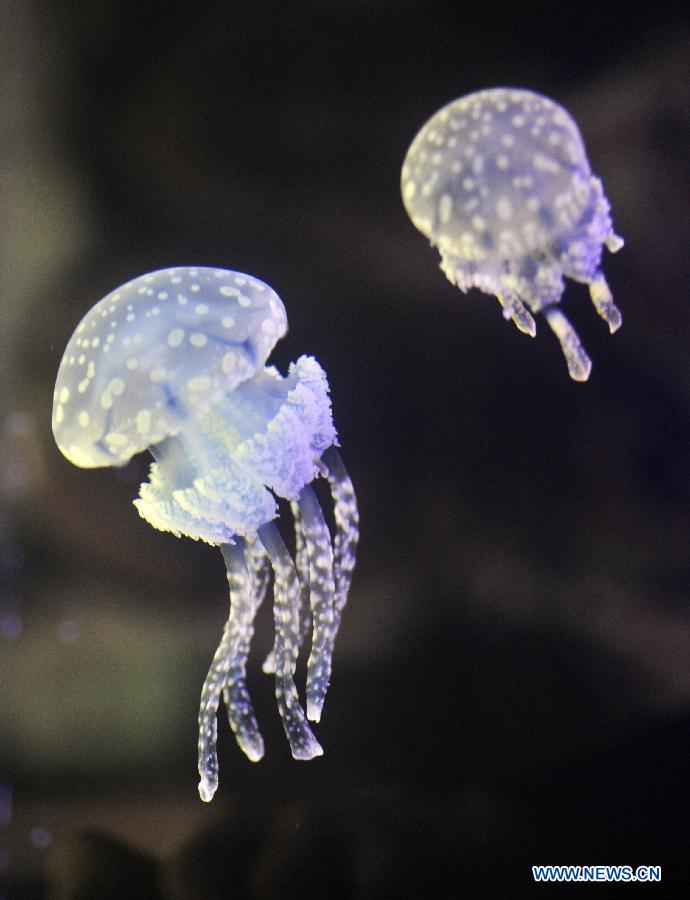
347 528
227 673
302 565
286 593
321 590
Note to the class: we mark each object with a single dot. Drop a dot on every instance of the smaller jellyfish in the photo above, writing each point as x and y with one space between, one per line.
500 183
175 362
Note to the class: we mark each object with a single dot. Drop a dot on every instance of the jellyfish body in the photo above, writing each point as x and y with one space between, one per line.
175 362
500 183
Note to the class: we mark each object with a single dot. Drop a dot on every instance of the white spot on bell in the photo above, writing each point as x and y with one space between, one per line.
202 383
144 421
504 209
175 337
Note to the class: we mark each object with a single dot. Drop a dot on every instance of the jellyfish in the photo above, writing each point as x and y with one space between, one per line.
500 183
175 362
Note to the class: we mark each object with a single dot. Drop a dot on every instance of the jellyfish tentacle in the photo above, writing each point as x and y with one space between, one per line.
602 298
227 672
321 590
302 742
244 606
579 363
614 242
268 666
303 574
302 566
347 528
260 567
515 309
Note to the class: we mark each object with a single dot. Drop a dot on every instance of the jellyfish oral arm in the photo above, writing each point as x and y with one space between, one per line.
302 742
302 565
602 299
579 363
515 309
227 676
344 555
324 575
319 554
346 514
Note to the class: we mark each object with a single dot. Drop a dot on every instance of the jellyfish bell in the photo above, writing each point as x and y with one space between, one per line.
161 348
175 362
500 183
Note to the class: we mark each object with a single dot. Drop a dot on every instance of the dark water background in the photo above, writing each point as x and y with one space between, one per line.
512 683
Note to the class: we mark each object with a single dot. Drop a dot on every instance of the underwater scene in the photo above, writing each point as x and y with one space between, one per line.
316 578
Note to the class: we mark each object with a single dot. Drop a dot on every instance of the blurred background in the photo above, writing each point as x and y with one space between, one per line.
512 680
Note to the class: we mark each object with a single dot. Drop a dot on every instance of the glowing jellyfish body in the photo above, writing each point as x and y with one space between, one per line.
175 362
499 181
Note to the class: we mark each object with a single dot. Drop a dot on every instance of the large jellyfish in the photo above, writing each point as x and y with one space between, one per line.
175 362
499 181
